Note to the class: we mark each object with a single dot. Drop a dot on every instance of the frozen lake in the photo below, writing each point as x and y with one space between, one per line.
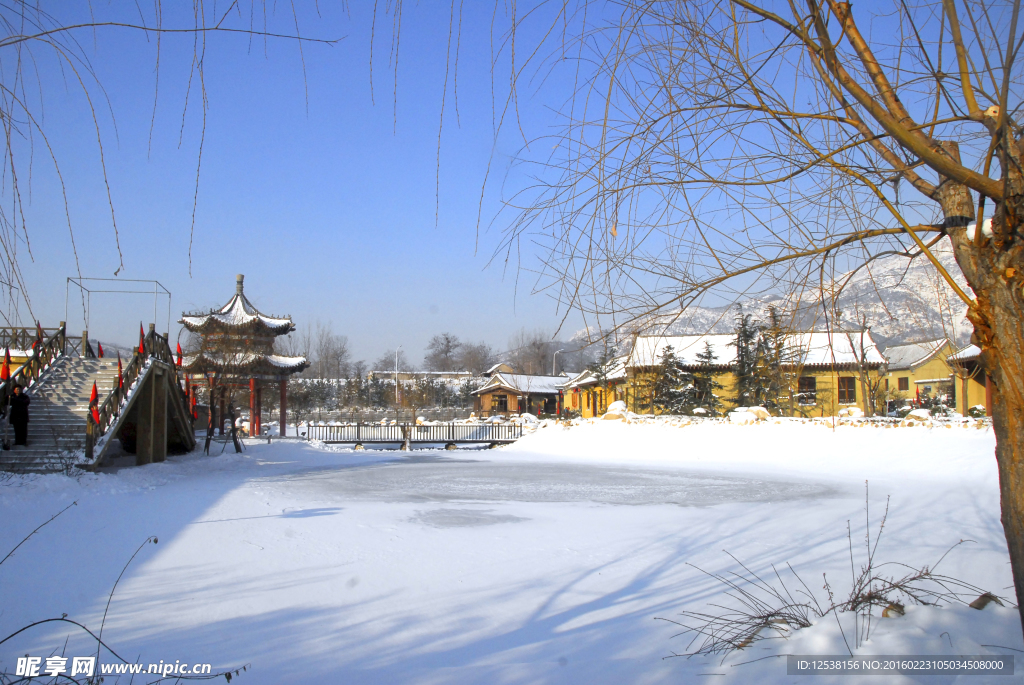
547 561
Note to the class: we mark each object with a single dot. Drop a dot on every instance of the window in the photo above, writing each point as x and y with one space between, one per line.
502 402
807 387
887 385
903 384
847 390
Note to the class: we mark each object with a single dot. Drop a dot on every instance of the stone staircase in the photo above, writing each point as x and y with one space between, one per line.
57 414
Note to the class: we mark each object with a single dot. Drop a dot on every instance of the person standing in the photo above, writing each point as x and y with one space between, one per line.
19 415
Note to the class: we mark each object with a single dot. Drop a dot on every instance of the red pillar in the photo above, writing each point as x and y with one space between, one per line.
252 407
284 406
259 410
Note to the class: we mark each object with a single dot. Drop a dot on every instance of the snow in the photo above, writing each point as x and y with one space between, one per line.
542 562
237 312
967 353
811 349
523 383
910 355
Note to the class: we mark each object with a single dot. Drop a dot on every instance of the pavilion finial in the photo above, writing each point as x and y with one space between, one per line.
238 283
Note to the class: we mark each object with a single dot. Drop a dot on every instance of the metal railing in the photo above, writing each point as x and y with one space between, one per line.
155 346
402 432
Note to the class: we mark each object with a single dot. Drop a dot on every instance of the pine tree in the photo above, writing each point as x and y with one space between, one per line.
673 389
705 386
771 382
746 360
599 370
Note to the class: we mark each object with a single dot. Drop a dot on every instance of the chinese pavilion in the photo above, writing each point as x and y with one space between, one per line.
237 346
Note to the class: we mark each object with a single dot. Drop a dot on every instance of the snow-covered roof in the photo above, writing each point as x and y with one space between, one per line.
912 354
239 312
969 353
500 367
616 370
808 349
648 349
244 362
522 383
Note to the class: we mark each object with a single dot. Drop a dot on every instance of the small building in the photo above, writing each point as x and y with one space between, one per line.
917 371
511 393
974 387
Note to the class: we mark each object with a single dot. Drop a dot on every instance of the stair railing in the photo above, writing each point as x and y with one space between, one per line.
41 356
154 346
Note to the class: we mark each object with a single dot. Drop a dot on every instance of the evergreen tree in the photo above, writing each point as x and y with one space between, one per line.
771 382
599 370
673 389
705 386
746 360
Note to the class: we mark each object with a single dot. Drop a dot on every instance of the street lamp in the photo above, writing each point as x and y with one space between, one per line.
554 360
396 377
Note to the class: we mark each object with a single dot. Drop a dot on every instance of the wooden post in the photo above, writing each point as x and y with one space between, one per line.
158 415
222 410
284 407
144 424
85 344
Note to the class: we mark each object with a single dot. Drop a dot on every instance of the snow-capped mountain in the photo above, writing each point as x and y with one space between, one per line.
902 301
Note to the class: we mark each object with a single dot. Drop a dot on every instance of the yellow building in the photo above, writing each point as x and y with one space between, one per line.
590 393
972 383
826 372
918 371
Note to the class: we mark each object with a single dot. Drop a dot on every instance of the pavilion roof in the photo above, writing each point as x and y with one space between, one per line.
238 314
248 363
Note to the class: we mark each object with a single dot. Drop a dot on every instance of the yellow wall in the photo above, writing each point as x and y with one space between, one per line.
826 391
593 401
970 387
937 367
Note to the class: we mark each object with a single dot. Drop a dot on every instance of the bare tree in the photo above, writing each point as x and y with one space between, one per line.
731 146
443 353
476 358
46 60
531 352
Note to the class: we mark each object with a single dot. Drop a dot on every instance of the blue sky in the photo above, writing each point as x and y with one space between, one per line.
329 212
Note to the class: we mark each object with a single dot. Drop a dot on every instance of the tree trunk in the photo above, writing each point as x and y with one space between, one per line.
994 268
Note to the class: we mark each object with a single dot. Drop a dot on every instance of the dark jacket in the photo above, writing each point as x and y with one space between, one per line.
19 407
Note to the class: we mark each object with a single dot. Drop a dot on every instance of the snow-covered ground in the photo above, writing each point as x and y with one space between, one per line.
546 561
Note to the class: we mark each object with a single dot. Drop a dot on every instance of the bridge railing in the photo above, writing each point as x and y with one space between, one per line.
154 346
40 358
440 433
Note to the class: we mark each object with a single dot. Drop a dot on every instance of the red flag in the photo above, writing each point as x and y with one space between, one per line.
100 346
5 370
179 354
96 415
93 396
39 332
917 392
120 374
142 341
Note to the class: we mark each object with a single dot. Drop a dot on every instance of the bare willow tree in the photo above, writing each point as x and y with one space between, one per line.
722 147
47 52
